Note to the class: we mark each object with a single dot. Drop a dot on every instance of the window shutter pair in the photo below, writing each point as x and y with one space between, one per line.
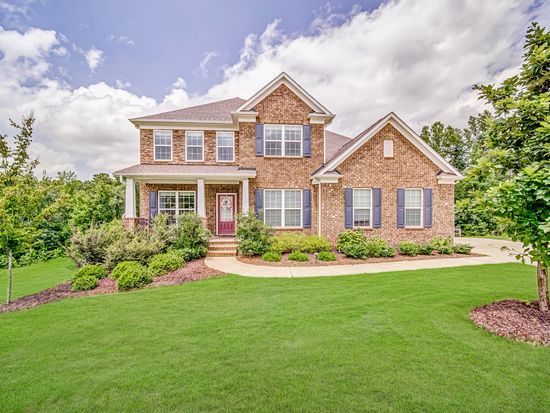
153 204
306 205
306 136
376 208
427 212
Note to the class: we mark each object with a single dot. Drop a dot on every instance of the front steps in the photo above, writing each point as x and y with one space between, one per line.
222 247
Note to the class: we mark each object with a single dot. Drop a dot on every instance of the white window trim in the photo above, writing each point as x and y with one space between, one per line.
186 146
178 212
283 148
354 208
171 145
282 209
232 146
421 208
391 148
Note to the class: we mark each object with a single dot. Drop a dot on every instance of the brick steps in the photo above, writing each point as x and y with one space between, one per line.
223 247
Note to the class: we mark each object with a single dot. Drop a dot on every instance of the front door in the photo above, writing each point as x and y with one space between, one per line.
226 213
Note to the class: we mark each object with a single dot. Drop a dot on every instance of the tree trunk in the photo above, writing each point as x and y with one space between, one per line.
542 281
9 275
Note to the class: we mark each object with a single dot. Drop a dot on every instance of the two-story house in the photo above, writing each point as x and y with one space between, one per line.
273 155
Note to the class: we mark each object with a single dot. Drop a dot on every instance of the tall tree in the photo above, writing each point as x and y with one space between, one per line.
448 142
519 145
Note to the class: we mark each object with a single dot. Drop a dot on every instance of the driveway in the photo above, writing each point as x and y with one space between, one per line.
491 248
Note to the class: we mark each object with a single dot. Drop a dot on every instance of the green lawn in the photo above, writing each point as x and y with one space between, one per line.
499 237
381 342
36 277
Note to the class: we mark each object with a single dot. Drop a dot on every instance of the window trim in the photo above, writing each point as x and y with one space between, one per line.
283 141
354 208
232 146
178 209
421 208
283 209
391 148
194 146
171 145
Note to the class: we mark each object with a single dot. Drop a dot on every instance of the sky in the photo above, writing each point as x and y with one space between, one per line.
85 67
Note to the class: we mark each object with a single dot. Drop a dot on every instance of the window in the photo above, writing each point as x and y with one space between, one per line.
162 145
413 207
225 146
362 207
388 148
283 140
175 203
194 145
283 208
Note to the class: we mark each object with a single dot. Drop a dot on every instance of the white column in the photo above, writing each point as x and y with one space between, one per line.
245 197
201 208
130 210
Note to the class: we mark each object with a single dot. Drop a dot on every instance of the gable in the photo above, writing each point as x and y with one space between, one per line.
282 106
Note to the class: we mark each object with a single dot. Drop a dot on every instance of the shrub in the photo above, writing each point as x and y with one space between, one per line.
375 247
254 236
84 283
94 270
298 256
388 252
358 251
292 241
442 245
138 246
190 232
271 256
124 267
315 243
425 249
326 256
347 238
462 248
131 274
409 248
164 263
190 254
90 247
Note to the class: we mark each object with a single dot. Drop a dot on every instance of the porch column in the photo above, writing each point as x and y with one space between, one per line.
201 209
130 206
244 197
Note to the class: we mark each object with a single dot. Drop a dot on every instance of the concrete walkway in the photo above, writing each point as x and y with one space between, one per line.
490 247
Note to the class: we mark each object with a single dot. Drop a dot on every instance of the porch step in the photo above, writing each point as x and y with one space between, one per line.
223 247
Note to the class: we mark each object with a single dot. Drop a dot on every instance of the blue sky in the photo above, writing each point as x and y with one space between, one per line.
85 67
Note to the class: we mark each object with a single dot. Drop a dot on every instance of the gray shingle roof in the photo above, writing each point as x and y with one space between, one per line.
334 141
185 170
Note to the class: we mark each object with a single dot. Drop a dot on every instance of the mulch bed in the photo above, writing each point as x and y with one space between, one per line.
514 319
193 271
341 259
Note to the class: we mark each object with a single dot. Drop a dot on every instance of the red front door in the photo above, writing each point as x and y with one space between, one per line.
226 213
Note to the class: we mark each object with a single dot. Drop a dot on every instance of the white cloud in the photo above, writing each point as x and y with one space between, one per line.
121 84
94 57
417 58
123 39
203 65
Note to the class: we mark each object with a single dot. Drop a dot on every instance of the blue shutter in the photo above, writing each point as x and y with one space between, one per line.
153 204
427 208
307 140
258 201
306 194
400 208
259 139
377 208
348 207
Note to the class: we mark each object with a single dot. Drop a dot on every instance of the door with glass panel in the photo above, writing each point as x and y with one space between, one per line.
226 208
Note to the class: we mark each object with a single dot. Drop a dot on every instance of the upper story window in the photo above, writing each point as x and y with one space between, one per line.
162 145
194 146
413 208
283 140
225 146
283 208
388 148
362 207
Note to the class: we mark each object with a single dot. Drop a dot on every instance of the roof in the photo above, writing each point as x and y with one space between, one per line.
187 170
334 141
219 111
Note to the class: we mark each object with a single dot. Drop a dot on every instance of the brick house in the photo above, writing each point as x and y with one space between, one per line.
273 155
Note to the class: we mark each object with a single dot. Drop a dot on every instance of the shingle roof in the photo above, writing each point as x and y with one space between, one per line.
186 170
334 141
219 111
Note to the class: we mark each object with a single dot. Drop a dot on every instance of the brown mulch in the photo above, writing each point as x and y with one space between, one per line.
514 319
193 271
341 259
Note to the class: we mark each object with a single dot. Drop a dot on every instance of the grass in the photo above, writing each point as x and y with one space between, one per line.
499 237
397 341
36 277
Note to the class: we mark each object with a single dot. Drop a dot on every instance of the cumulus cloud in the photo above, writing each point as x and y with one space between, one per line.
94 57
418 58
203 64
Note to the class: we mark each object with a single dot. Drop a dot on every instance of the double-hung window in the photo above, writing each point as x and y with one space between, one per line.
362 207
162 145
194 146
283 140
413 207
225 146
283 208
175 203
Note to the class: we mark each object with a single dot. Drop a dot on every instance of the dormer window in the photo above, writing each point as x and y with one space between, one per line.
194 146
162 145
283 140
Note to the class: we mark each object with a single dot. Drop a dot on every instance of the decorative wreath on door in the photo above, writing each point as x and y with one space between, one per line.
227 203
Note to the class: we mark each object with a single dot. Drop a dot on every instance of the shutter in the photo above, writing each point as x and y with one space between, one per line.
258 202
153 204
427 207
348 207
259 139
377 208
307 140
306 194
400 208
